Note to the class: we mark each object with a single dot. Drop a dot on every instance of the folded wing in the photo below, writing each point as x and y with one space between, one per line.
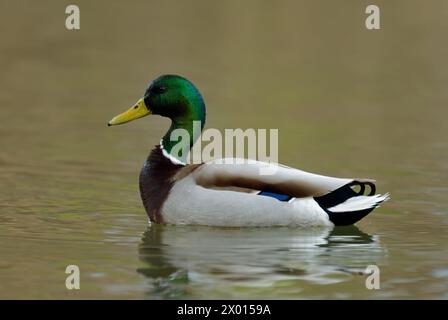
263 176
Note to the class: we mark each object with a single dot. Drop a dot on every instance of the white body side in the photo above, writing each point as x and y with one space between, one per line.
206 206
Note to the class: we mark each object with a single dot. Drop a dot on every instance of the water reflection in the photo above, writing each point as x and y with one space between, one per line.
179 260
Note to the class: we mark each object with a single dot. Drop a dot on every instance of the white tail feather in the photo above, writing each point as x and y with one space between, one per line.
360 203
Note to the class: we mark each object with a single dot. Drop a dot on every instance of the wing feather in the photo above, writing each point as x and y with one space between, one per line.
259 175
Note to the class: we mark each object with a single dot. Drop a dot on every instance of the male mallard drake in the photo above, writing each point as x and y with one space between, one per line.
229 194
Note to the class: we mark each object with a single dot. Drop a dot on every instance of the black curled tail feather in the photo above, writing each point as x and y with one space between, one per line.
342 194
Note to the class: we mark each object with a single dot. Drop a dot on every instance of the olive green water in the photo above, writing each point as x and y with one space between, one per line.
347 102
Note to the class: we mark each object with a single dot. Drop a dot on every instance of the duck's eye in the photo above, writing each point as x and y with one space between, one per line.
158 89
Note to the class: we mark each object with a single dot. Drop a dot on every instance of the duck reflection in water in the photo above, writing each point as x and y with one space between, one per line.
181 260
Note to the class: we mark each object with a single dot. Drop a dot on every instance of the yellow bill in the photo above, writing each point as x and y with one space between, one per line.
139 110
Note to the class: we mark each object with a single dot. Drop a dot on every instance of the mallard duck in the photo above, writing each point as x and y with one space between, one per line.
230 193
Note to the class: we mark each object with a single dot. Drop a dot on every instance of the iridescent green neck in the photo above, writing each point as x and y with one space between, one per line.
184 131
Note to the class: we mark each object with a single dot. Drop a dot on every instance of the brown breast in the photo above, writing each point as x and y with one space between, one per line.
157 177
156 181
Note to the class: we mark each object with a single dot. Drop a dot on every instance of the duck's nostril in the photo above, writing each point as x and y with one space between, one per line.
135 107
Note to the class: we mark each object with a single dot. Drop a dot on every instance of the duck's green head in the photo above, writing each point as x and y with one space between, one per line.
173 97
170 96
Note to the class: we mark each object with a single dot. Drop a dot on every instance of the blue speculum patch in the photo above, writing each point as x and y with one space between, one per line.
278 196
